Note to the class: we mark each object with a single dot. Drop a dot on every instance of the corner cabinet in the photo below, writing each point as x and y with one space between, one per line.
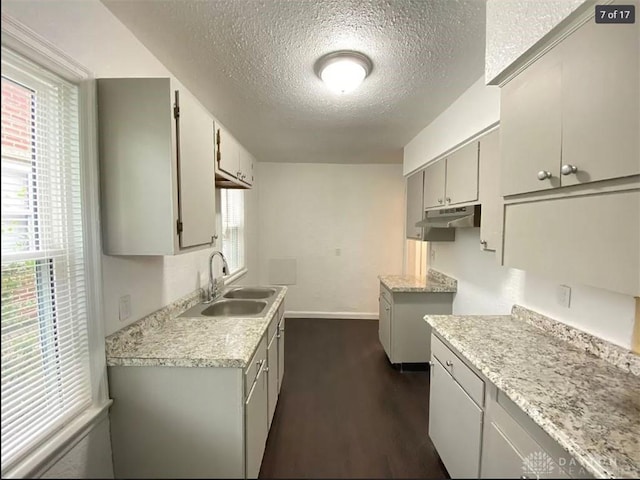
570 160
157 153
234 164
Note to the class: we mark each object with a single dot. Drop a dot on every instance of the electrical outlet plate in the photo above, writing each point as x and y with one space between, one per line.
125 307
564 296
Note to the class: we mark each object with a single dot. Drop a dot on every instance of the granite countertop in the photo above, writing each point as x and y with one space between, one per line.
589 404
434 282
164 339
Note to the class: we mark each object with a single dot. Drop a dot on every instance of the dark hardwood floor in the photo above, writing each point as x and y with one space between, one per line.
344 412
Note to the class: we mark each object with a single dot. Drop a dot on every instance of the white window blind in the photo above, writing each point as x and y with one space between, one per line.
45 354
232 205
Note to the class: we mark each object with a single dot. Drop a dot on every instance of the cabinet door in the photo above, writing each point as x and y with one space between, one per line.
530 126
455 424
246 167
489 192
591 239
462 175
500 459
196 188
281 340
600 102
228 153
384 326
256 424
434 179
415 205
272 364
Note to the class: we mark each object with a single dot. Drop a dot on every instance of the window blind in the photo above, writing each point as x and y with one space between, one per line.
232 206
45 354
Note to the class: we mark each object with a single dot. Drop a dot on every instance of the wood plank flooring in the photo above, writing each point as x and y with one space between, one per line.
344 412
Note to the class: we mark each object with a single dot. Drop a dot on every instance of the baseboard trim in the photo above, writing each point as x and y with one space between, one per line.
333 315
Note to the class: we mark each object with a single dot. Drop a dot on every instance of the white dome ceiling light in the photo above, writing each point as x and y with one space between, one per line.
343 71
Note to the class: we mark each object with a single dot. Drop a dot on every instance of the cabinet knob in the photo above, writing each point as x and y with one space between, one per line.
386 308
543 175
439 200
265 369
449 363
448 199
568 169
483 243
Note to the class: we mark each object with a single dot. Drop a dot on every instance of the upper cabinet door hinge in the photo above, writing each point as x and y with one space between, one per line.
179 227
176 105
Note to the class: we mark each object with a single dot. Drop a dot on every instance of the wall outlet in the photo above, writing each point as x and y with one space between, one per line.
564 296
125 307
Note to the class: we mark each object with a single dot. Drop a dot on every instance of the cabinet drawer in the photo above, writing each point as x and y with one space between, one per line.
468 380
386 294
251 372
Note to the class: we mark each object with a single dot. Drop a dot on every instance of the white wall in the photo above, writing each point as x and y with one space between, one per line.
307 211
484 287
90 35
476 109
513 26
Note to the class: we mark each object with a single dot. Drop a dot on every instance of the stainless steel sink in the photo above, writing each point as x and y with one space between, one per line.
234 308
250 292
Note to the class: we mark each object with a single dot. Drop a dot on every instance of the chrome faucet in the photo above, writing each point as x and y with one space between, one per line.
217 283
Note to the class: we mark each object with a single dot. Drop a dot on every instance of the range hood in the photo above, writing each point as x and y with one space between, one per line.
440 225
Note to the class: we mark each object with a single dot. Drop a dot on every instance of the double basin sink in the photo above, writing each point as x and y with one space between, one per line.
236 302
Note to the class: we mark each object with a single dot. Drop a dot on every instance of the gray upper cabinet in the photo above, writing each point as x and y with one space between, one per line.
572 117
530 124
489 192
415 209
434 183
452 180
234 164
462 175
156 146
600 103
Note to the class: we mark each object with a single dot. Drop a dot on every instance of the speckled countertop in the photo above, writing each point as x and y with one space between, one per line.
435 282
589 404
164 339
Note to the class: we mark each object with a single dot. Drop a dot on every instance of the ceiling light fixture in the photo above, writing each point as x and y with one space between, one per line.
343 71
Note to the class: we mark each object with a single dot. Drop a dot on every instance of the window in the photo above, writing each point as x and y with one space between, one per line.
45 352
232 206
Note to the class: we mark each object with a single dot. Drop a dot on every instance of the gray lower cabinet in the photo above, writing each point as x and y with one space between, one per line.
402 331
257 420
455 424
480 433
196 422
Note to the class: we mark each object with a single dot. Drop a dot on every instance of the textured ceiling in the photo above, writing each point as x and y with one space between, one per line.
251 63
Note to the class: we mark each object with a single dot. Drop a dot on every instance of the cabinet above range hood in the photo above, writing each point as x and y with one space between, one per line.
440 225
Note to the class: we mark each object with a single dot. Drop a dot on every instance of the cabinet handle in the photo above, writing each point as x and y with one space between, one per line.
439 200
265 369
278 335
449 363
448 200
483 243
568 169
386 308
543 175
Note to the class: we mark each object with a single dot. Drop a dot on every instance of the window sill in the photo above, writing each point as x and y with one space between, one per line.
47 454
236 276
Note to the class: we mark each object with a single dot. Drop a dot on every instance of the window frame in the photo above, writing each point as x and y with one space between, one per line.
24 42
